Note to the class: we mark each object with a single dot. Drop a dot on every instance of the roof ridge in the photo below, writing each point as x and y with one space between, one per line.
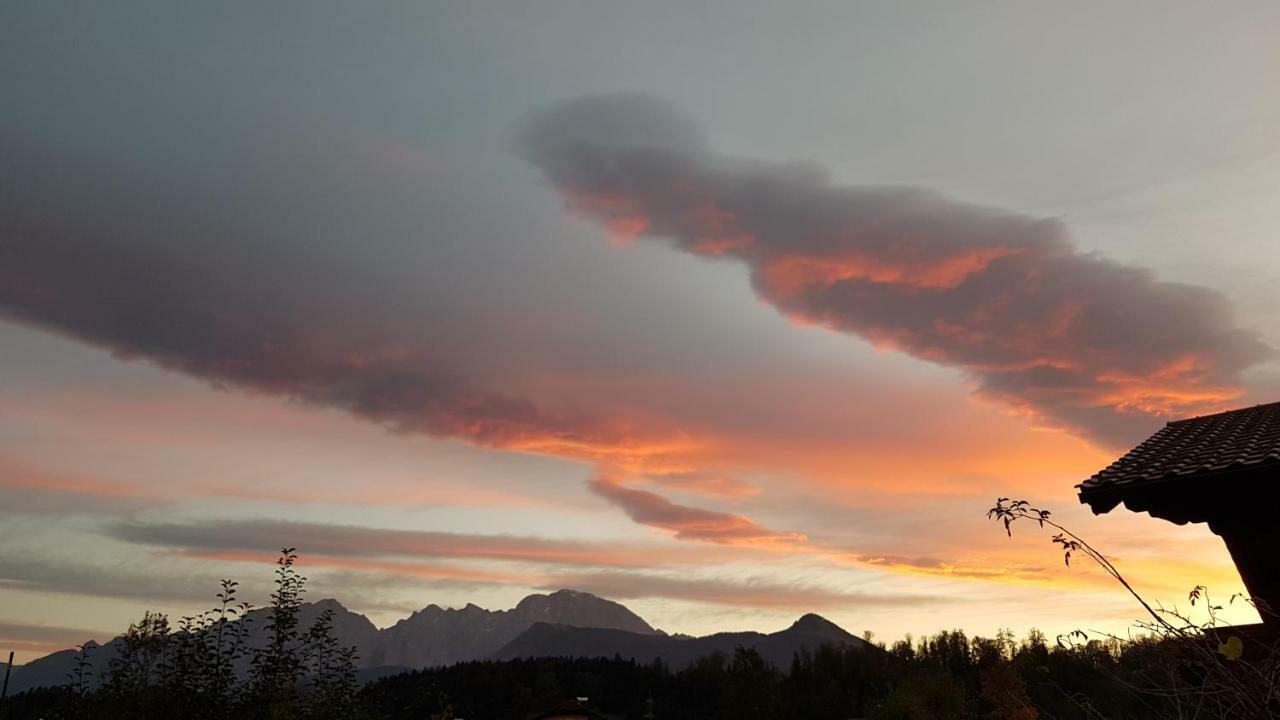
1202 446
1223 412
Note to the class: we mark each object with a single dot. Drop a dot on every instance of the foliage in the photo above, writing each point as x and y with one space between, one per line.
330 670
278 668
79 679
207 668
1190 668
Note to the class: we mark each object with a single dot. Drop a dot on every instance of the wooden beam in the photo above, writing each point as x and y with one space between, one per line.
1257 556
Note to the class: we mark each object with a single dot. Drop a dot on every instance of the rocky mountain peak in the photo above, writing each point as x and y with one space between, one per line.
581 609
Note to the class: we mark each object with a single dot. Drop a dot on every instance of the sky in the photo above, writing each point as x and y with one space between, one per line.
726 311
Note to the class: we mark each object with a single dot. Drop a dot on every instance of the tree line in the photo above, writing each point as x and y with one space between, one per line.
205 667
191 672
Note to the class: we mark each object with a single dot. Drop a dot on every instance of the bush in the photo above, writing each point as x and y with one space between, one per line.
205 669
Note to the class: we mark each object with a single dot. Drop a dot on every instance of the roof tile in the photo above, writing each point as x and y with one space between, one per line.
1237 439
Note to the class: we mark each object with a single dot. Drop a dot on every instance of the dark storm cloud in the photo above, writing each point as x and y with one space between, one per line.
1070 337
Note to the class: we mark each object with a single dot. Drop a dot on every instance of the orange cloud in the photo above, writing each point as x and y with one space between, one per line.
794 275
691 523
1076 340
709 484
18 476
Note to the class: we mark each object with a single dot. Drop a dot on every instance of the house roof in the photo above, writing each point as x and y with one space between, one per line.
1196 449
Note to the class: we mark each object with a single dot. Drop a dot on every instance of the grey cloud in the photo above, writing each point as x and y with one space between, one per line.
741 593
1070 337
353 541
173 583
688 523
46 637
235 275
23 500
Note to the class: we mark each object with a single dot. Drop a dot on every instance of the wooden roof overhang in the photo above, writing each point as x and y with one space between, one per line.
1195 470
1218 469
1231 494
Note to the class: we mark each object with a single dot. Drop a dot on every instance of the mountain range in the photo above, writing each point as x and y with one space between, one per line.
564 623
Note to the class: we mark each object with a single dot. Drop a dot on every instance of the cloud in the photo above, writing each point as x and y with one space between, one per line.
41 639
190 578
614 584
712 485
690 523
745 593
345 541
244 275
64 636
175 582
450 575
61 503
1001 570
1071 338
36 492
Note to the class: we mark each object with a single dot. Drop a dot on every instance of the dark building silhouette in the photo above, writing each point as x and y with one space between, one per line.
1218 469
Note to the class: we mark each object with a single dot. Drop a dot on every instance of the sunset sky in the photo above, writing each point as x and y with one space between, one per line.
726 311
